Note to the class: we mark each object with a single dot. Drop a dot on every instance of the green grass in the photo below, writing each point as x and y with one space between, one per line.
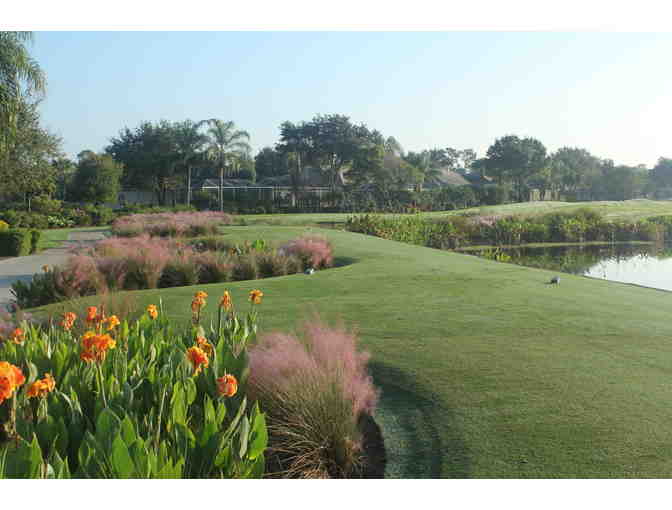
486 371
628 209
53 238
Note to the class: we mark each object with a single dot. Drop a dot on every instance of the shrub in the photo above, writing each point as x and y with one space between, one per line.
314 389
100 215
214 268
181 270
276 264
245 268
45 205
314 251
35 236
15 242
128 402
3 226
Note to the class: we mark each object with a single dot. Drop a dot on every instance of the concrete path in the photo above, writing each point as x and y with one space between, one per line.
23 268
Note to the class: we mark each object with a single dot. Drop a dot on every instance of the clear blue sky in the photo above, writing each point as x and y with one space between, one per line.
607 92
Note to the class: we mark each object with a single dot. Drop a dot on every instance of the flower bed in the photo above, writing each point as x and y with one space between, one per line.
181 224
97 397
147 263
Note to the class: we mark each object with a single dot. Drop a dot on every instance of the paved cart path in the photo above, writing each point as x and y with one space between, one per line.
23 268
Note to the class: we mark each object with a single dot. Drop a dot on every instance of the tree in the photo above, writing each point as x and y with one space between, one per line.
514 159
428 163
225 143
189 142
27 168
65 169
270 163
661 175
97 178
20 78
573 168
150 157
393 146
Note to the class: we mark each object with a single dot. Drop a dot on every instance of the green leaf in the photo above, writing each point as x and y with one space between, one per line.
258 436
107 426
128 431
191 391
23 460
243 437
121 459
178 406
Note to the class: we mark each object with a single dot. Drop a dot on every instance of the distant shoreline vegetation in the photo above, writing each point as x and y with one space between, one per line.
455 232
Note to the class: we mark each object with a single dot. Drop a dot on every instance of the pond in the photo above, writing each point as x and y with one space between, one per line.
642 264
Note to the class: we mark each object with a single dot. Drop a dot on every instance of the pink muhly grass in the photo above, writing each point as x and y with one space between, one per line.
314 251
314 390
279 358
180 224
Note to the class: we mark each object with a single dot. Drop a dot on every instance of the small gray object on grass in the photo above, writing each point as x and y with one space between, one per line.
310 270
555 280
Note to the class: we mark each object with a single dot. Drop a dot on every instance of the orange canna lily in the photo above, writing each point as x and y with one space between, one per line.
17 336
226 302
198 359
95 347
227 385
68 321
112 322
152 311
203 344
91 314
42 387
11 378
255 296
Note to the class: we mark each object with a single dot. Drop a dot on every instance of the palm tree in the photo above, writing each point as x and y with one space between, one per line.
225 143
189 141
19 74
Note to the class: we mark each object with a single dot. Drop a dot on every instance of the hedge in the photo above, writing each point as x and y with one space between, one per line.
17 242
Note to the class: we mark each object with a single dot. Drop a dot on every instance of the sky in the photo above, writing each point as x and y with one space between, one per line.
607 92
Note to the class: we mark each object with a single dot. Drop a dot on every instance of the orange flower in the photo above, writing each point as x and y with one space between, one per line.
17 336
68 321
198 358
112 322
226 302
255 296
204 345
152 311
227 385
11 378
91 314
95 347
42 387
198 301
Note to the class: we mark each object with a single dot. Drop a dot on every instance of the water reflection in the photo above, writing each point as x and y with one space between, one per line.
643 264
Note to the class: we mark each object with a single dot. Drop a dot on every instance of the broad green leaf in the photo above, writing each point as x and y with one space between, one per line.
127 430
121 459
258 436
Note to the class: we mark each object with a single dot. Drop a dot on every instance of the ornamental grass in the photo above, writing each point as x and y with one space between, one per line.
315 389
144 262
181 224
93 396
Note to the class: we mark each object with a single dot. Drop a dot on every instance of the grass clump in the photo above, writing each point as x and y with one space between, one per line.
314 389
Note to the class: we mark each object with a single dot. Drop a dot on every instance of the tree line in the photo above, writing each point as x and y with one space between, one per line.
164 156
